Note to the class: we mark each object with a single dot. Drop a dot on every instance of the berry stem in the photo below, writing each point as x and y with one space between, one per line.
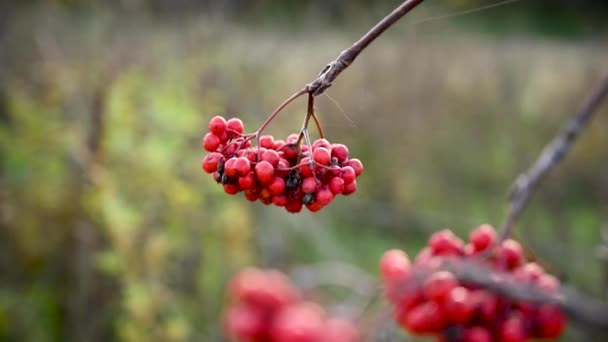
279 109
274 114
310 112
318 124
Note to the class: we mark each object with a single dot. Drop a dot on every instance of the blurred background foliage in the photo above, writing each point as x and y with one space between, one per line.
109 230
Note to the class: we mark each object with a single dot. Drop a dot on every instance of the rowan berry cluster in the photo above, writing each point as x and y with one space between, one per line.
285 173
437 303
266 307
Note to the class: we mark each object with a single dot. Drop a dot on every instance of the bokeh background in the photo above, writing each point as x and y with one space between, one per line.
110 231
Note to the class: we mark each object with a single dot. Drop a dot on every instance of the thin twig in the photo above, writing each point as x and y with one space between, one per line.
318 124
552 154
304 129
346 57
279 109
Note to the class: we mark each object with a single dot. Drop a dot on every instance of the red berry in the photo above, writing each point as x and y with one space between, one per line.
444 242
211 142
551 321
486 305
244 323
283 164
423 319
293 206
339 151
469 250
423 256
309 184
529 272
356 165
334 171
217 125
267 141
478 334
509 254
548 283
303 322
395 266
251 155
231 189
290 151
513 330
457 306
269 290
210 162
324 196
280 200
306 167
224 137
439 284
251 195
483 237
265 196
247 181
242 166
314 207
277 186
321 143
321 155
230 169
349 188
264 172
336 185
348 174
533 270
271 156
235 127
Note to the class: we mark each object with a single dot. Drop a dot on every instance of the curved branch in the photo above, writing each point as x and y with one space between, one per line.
346 57
590 312
551 155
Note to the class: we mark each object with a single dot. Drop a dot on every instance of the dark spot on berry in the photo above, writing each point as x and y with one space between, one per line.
294 179
454 333
309 198
229 180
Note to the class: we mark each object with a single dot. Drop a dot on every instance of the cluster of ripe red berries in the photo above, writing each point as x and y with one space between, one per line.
278 172
439 304
266 307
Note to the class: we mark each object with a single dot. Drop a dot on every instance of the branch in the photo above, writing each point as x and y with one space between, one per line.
553 153
346 57
586 311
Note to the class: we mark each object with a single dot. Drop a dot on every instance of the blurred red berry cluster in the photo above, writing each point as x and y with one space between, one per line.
278 172
430 300
266 307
